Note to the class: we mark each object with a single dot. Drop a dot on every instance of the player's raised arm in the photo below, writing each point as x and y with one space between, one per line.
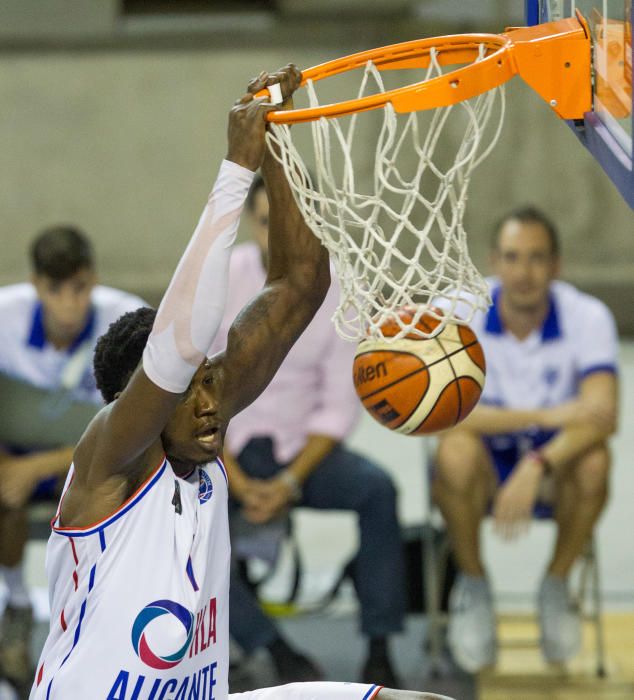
297 281
188 316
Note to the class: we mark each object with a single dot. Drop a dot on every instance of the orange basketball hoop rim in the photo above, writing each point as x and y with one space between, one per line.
553 58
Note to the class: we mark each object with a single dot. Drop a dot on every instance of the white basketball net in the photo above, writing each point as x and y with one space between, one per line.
401 244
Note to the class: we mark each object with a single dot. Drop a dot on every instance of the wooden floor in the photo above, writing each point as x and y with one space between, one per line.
521 673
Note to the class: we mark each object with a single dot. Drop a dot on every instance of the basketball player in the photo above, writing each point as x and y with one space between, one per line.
48 330
138 561
539 435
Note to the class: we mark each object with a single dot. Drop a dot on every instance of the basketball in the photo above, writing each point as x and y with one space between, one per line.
415 385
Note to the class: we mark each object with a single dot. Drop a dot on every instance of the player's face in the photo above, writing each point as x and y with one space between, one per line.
66 303
195 431
259 221
525 263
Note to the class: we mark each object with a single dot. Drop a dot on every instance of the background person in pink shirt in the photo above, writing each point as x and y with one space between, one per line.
285 450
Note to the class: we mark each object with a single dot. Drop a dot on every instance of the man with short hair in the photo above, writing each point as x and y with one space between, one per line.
286 449
48 331
538 438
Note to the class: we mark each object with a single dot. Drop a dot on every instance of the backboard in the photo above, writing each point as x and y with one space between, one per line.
607 130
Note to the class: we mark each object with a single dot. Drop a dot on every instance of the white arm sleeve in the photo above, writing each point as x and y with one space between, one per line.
192 308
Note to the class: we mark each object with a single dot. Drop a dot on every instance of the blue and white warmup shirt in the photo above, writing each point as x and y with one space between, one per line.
25 354
578 338
140 601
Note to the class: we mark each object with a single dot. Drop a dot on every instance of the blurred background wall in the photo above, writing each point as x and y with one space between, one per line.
113 117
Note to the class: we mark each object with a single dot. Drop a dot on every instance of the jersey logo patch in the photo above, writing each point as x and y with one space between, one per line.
205 487
179 626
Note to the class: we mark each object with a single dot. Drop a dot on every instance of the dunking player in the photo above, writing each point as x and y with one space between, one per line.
138 561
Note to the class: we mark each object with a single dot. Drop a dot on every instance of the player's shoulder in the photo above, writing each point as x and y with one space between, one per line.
17 298
469 306
575 304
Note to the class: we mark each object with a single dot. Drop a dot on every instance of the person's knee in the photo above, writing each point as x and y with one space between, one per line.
376 495
459 462
380 486
592 473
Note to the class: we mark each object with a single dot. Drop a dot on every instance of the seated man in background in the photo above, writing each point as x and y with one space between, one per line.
285 450
48 331
539 435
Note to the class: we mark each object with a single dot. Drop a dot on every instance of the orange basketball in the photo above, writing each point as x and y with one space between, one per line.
415 385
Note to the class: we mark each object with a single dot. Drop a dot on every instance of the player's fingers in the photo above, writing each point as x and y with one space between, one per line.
261 102
244 100
263 107
258 83
290 75
252 111
289 79
294 77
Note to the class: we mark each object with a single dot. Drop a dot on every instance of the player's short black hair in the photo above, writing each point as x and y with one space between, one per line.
119 351
59 252
528 215
256 186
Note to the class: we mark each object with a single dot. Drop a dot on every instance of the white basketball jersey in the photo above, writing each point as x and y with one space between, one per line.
140 600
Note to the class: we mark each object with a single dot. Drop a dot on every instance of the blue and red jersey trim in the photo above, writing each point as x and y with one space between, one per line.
223 469
82 614
372 692
98 527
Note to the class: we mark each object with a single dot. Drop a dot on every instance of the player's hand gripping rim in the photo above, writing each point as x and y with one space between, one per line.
246 130
289 78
